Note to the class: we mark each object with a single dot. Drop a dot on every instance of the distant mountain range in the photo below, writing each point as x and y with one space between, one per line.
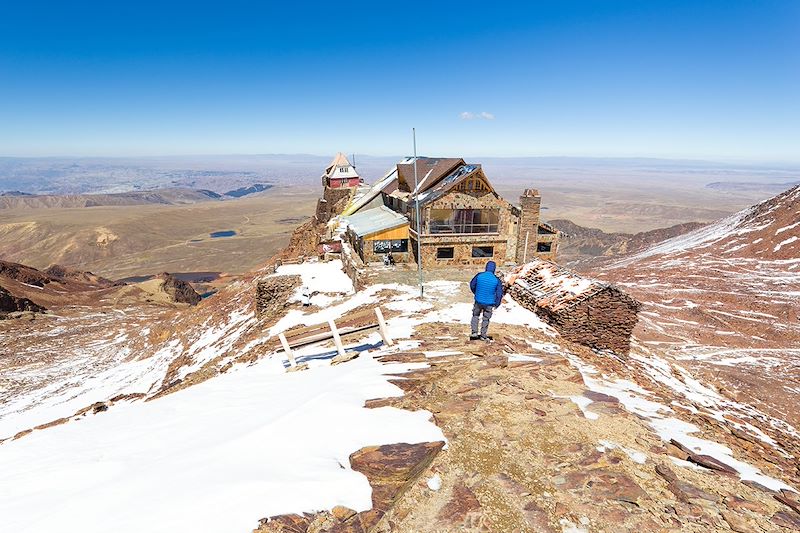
172 196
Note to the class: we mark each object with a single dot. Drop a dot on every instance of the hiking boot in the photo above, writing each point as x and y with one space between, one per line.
474 337
486 337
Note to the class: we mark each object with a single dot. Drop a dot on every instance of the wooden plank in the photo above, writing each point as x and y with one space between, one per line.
387 340
337 340
328 335
287 349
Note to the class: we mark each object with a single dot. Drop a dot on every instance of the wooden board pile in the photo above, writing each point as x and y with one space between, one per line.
586 311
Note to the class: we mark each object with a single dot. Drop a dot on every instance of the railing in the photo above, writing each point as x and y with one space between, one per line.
447 227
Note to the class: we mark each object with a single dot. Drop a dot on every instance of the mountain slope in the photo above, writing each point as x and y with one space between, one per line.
724 300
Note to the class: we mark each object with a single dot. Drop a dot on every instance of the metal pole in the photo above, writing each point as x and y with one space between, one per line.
419 219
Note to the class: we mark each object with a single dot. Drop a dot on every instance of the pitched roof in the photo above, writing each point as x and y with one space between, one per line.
450 181
340 161
374 220
429 171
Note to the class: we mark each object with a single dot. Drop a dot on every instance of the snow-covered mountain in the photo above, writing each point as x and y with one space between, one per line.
188 420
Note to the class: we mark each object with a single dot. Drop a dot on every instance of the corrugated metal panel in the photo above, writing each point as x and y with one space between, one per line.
374 220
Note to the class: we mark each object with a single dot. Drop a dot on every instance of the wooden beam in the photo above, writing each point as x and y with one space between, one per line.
387 340
336 338
287 349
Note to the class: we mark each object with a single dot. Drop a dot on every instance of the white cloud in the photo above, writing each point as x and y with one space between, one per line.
469 115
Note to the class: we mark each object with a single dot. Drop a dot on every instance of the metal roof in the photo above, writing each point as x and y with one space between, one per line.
374 220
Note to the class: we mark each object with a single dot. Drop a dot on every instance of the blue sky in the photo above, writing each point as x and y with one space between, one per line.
695 78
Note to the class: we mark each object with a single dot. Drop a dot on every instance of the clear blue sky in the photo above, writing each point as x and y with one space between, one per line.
693 78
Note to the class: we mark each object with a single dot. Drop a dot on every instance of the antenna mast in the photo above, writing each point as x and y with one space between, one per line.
419 219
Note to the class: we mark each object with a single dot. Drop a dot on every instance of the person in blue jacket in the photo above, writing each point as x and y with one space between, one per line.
488 291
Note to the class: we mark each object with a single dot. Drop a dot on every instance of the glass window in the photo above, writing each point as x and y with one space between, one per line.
464 220
543 247
483 251
386 246
445 253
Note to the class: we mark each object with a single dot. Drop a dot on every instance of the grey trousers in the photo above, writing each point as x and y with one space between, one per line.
477 310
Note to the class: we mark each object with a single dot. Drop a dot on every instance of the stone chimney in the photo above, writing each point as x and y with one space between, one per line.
530 202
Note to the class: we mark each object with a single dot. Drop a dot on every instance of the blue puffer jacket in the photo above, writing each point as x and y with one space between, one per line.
486 287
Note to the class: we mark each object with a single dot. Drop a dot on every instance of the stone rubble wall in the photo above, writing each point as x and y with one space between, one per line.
273 293
604 321
333 202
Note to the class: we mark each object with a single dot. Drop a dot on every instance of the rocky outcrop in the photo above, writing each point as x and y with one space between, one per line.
391 469
180 291
23 274
62 273
12 304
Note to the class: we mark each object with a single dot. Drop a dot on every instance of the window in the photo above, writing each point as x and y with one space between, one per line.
342 169
483 251
543 247
445 253
464 221
385 246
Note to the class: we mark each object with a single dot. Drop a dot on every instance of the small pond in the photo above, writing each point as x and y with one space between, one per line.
223 233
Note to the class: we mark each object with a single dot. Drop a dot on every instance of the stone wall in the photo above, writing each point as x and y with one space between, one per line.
333 202
530 203
604 320
273 293
354 267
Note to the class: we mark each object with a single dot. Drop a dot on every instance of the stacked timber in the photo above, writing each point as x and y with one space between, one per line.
586 311
273 293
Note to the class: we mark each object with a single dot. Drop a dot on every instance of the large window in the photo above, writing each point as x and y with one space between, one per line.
386 246
464 221
445 253
483 251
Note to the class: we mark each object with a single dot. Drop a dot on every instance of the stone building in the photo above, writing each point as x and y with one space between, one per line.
586 311
464 220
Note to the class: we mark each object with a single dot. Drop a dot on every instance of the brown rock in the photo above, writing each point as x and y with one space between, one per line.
737 523
342 513
343 358
600 397
666 472
392 468
606 485
736 503
676 452
379 402
794 504
462 503
688 493
287 523
496 361
711 463
788 520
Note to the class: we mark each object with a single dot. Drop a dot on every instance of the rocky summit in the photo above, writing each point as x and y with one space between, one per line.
198 415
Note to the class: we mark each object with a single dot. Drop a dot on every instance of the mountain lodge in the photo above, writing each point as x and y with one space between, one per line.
464 220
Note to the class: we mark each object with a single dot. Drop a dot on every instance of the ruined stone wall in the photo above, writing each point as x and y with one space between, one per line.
354 267
273 293
605 321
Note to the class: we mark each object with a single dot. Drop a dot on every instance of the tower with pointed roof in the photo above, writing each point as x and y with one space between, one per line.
340 173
